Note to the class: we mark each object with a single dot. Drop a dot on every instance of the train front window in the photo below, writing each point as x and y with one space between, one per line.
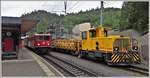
122 43
46 37
42 37
92 33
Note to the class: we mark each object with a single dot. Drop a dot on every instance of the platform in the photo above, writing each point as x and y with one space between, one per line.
28 64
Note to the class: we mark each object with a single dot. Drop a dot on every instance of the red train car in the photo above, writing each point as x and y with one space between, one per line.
40 43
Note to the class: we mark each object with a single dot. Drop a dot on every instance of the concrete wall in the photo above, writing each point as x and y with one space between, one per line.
145 52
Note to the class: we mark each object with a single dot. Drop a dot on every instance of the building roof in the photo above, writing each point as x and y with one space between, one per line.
26 24
11 20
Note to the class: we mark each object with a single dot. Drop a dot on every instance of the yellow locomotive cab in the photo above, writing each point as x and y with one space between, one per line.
115 49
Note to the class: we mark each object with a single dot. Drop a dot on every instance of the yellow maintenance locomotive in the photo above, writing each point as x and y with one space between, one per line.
95 43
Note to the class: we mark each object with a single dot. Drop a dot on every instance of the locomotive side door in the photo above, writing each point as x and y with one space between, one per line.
84 40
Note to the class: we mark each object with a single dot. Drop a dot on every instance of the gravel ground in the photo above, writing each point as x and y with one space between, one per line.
97 67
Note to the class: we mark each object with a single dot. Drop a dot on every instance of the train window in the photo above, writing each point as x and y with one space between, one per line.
92 33
84 35
105 32
121 43
46 37
42 37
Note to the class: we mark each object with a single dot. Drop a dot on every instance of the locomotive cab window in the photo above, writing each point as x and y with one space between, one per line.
105 32
42 37
122 43
92 33
46 37
84 35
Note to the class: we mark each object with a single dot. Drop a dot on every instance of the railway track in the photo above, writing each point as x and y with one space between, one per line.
139 70
68 68
134 69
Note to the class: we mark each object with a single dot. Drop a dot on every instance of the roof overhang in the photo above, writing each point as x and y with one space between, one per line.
25 23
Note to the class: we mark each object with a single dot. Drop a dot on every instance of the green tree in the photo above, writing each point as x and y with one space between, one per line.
134 15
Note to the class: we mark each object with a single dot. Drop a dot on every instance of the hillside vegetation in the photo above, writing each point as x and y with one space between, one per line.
133 15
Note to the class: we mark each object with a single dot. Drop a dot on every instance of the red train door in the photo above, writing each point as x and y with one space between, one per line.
8 44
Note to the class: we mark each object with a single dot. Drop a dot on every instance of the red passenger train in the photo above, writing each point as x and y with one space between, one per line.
40 43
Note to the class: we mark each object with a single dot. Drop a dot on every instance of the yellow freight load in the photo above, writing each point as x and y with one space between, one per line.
70 45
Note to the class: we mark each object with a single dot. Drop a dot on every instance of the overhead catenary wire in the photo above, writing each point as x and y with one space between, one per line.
53 8
73 6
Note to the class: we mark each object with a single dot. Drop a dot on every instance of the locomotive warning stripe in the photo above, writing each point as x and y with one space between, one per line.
137 56
134 59
113 57
122 57
119 59
116 58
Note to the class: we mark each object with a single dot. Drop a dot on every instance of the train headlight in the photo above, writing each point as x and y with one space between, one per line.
38 44
116 48
135 47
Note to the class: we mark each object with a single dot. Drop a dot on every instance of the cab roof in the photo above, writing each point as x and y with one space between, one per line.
106 28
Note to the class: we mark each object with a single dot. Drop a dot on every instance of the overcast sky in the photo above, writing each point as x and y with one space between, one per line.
17 8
